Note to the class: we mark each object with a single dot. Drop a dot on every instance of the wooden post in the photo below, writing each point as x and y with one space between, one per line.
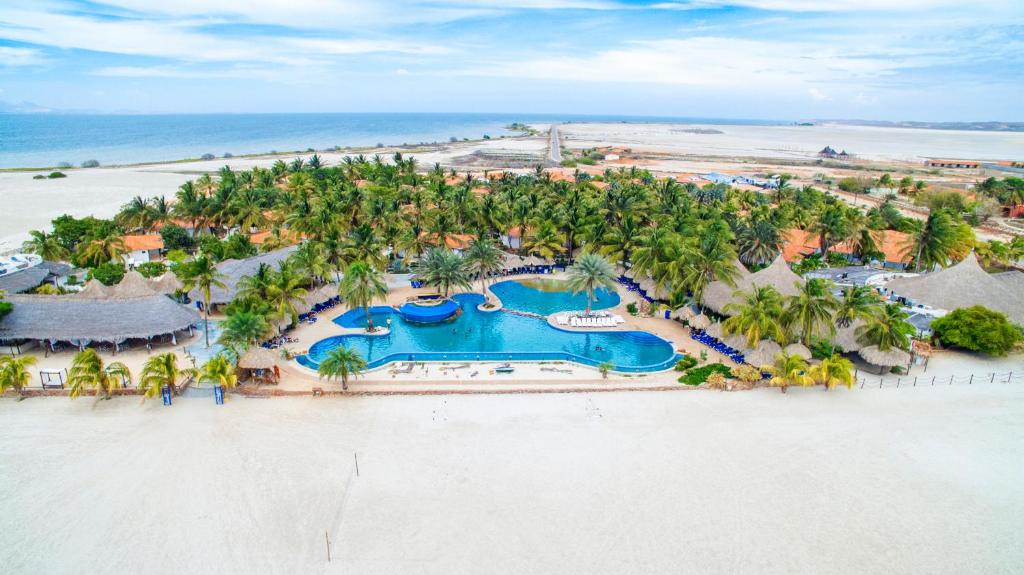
328 540
993 378
971 381
356 457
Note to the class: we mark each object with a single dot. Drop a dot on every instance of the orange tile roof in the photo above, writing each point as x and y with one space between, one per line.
800 243
142 242
600 185
288 236
797 243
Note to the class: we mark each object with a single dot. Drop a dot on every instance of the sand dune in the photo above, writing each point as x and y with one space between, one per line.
915 480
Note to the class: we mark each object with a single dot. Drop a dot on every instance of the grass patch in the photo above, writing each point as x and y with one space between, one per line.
699 375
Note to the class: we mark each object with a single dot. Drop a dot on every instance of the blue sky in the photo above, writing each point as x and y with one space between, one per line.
772 59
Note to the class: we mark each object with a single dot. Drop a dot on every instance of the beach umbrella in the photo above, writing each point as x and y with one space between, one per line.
257 357
875 356
798 349
700 322
763 354
737 341
715 330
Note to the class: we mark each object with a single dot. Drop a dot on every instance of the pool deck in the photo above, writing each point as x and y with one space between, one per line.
529 376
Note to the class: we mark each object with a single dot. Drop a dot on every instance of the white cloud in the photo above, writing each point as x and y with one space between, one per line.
401 72
828 5
16 57
817 95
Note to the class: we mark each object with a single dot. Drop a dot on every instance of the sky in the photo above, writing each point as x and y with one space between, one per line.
928 60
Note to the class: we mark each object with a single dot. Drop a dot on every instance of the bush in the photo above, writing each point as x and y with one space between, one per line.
716 381
63 165
631 308
978 329
109 273
54 175
587 161
747 374
38 177
176 238
151 269
230 155
207 157
91 164
699 375
686 363
822 348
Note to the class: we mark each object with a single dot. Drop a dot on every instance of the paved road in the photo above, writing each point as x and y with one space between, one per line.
554 147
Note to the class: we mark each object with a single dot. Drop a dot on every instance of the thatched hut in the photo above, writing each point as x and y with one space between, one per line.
512 261
235 270
715 330
167 284
737 341
965 284
94 289
798 349
81 321
846 337
777 275
259 363
718 293
700 322
133 284
875 356
763 354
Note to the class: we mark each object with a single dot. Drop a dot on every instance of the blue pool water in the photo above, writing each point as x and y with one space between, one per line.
199 349
494 336
547 296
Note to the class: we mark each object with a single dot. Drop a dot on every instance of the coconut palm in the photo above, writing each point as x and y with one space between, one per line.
284 292
311 260
218 370
545 241
45 246
340 363
706 260
933 243
88 372
809 312
857 303
256 286
135 215
759 243
14 373
361 286
160 371
887 329
757 316
203 275
483 258
243 329
98 251
788 369
589 273
443 269
832 371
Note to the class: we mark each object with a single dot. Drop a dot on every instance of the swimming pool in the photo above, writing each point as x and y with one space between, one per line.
546 296
493 336
199 349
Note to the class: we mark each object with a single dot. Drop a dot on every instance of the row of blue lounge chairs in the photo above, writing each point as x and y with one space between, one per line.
717 345
634 287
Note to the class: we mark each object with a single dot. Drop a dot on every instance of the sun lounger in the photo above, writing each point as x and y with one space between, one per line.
561 319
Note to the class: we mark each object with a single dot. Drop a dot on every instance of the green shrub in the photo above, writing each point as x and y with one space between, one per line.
699 375
978 329
631 308
176 238
109 273
587 161
822 348
151 269
38 177
686 363
54 175
5 308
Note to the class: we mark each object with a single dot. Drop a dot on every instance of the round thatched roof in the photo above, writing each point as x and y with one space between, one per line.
718 294
684 313
779 276
133 284
258 358
512 261
167 283
700 322
798 349
893 357
94 289
763 354
715 330
846 337
965 284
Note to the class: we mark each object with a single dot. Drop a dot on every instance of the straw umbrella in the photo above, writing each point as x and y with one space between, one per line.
846 337
700 322
94 289
257 358
737 341
763 354
715 330
799 349
875 356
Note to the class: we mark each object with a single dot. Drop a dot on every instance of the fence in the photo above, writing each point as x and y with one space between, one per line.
937 380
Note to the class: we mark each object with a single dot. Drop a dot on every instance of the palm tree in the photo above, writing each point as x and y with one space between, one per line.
759 243
545 241
311 260
590 272
203 275
810 310
709 259
758 316
887 329
832 371
933 243
443 269
857 303
483 258
243 329
160 371
788 369
99 251
136 214
88 372
218 370
284 292
361 286
340 363
14 373
256 286
45 246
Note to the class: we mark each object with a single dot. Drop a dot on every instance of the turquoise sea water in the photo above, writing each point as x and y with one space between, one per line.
493 336
38 140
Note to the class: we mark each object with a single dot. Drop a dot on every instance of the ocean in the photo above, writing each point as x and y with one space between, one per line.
45 140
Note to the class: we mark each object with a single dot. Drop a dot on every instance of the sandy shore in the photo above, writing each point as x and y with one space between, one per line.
925 480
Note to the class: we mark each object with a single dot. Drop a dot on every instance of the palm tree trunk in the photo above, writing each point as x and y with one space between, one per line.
369 319
206 323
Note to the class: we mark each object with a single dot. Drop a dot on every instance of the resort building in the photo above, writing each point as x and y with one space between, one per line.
955 164
832 154
234 270
719 294
142 248
798 244
513 239
22 272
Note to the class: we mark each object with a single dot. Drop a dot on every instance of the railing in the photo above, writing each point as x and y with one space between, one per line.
940 380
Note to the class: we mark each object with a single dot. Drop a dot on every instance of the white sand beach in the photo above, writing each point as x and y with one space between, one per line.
915 480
